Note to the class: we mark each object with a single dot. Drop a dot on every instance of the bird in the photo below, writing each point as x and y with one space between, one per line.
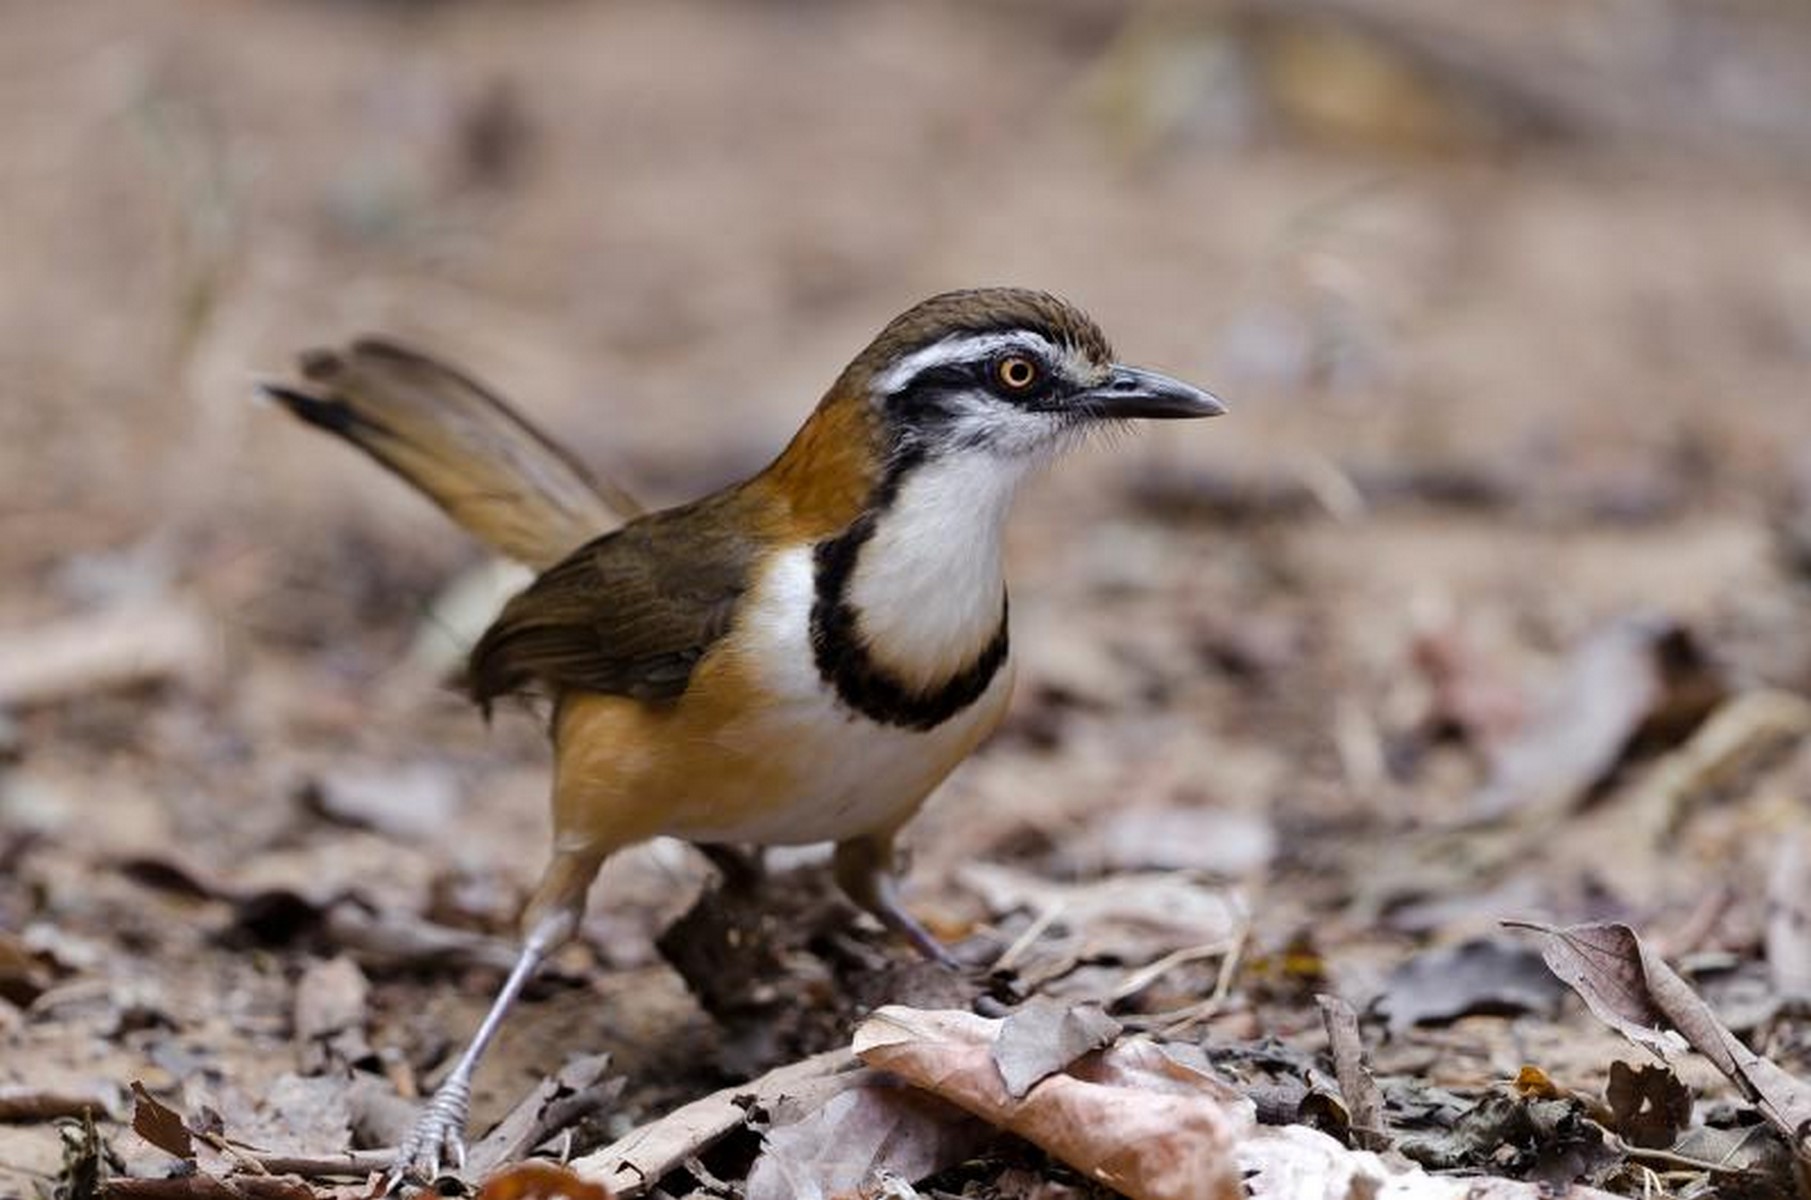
801 657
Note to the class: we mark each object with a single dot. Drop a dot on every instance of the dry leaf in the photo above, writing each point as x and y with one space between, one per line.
875 1129
93 652
1649 1104
1483 975
1134 917
1357 1087
406 800
1133 1116
1619 679
1789 919
1636 993
1044 1037
330 1014
579 1090
1294 1162
160 1124
541 1181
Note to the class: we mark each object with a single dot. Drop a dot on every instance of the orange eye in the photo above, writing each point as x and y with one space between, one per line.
1016 372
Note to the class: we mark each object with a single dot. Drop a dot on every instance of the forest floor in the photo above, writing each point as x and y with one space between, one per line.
1468 659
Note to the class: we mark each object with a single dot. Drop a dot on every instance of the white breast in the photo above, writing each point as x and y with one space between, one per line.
928 584
854 775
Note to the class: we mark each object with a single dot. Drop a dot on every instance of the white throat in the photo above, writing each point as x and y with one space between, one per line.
928 587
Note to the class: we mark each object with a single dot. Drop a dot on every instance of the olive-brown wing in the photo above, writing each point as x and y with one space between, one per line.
628 614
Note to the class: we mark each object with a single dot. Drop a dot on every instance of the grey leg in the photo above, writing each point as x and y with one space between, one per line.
438 1137
864 870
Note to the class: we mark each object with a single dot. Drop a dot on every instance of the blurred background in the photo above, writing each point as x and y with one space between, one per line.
1511 304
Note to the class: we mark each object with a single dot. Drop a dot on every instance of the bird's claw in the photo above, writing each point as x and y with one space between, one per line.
436 1141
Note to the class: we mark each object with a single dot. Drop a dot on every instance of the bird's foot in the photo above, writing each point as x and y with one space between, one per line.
437 1140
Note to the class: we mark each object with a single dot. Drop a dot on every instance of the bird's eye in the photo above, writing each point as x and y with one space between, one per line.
1016 373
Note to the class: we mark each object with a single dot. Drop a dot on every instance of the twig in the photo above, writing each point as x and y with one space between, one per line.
636 1162
1026 940
1148 974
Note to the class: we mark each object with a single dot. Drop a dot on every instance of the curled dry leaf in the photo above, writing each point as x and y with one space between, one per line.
1133 1116
160 1124
1357 1086
1633 991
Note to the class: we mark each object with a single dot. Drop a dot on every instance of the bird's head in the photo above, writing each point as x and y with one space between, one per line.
1004 372
966 392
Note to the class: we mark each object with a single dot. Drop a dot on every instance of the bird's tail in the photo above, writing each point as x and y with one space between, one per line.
504 481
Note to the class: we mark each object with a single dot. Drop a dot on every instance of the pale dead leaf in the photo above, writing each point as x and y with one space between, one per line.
1480 975
406 800
93 652
1133 1117
1635 992
1614 680
1294 1162
330 998
1134 917
1165 837
330 1013
1789 919
877 1128
1044 1037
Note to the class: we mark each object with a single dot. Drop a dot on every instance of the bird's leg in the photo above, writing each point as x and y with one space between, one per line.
864 870
553 916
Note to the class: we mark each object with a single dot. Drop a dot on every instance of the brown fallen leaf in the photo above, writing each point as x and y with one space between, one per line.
31 1104
1633 990
541 1181
877 1128
160 1124
1649 1104
1133 1116
1357 1086
23 975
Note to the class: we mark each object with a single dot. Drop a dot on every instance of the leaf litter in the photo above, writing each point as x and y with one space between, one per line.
1297 730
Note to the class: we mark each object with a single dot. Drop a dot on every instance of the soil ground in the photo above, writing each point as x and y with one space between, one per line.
1513 314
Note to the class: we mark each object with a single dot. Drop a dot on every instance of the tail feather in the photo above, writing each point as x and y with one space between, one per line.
504 481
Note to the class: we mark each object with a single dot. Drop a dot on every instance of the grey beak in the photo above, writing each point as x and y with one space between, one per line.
1135 392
